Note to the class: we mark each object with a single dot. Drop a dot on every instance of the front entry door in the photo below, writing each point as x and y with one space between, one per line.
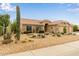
46 27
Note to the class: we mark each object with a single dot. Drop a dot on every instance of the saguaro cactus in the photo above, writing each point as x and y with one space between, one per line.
18 22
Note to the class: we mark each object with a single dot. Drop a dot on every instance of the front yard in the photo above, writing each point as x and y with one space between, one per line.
27 43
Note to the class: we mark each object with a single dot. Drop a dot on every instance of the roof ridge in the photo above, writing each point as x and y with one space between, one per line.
31 19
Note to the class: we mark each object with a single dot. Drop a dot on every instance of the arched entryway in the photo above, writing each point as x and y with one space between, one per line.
46 27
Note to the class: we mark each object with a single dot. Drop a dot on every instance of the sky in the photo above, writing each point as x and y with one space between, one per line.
50 11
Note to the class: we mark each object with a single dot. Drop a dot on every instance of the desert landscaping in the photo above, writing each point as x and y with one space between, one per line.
29 43
23 35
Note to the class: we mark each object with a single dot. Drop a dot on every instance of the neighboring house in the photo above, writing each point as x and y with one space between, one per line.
34 26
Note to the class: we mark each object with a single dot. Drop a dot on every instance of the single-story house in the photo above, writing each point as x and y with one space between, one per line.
34 26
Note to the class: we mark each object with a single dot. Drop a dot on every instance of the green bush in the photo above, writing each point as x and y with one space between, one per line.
62 33
14 27
64 30
75 28
1 32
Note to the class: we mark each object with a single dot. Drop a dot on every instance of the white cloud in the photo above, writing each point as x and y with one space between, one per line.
73 10
7 7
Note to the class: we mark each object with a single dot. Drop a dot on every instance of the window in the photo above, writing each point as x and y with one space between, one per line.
29 28
38 28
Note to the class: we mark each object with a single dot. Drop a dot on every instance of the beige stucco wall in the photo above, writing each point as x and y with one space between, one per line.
61 29
23 28
51 28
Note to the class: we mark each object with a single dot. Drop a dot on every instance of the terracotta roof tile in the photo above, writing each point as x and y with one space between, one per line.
41 22
30 21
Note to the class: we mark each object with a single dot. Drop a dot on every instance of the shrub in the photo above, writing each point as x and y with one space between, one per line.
58 35
31 40
38 35
62 33
1 32
41 31
75 28
43 36
53 34
74 34
33 36
7 41
14 27
64 30
25 32
23 41
69 34
7 38
47 33
16 42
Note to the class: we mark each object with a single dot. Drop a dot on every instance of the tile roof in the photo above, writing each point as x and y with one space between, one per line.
30 21
41 22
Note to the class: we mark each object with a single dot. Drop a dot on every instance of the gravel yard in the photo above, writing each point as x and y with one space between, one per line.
27 43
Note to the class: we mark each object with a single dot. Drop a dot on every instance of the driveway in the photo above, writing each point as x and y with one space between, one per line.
67 49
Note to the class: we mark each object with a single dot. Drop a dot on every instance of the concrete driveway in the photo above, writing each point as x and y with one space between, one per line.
67 49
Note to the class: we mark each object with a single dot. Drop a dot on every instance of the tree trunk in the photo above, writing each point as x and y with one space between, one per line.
4 31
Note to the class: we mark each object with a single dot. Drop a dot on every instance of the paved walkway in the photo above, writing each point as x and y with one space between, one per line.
67 49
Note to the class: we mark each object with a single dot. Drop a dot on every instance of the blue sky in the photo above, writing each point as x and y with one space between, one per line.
51 11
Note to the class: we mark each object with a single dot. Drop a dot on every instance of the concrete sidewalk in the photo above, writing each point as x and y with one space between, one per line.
67 49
